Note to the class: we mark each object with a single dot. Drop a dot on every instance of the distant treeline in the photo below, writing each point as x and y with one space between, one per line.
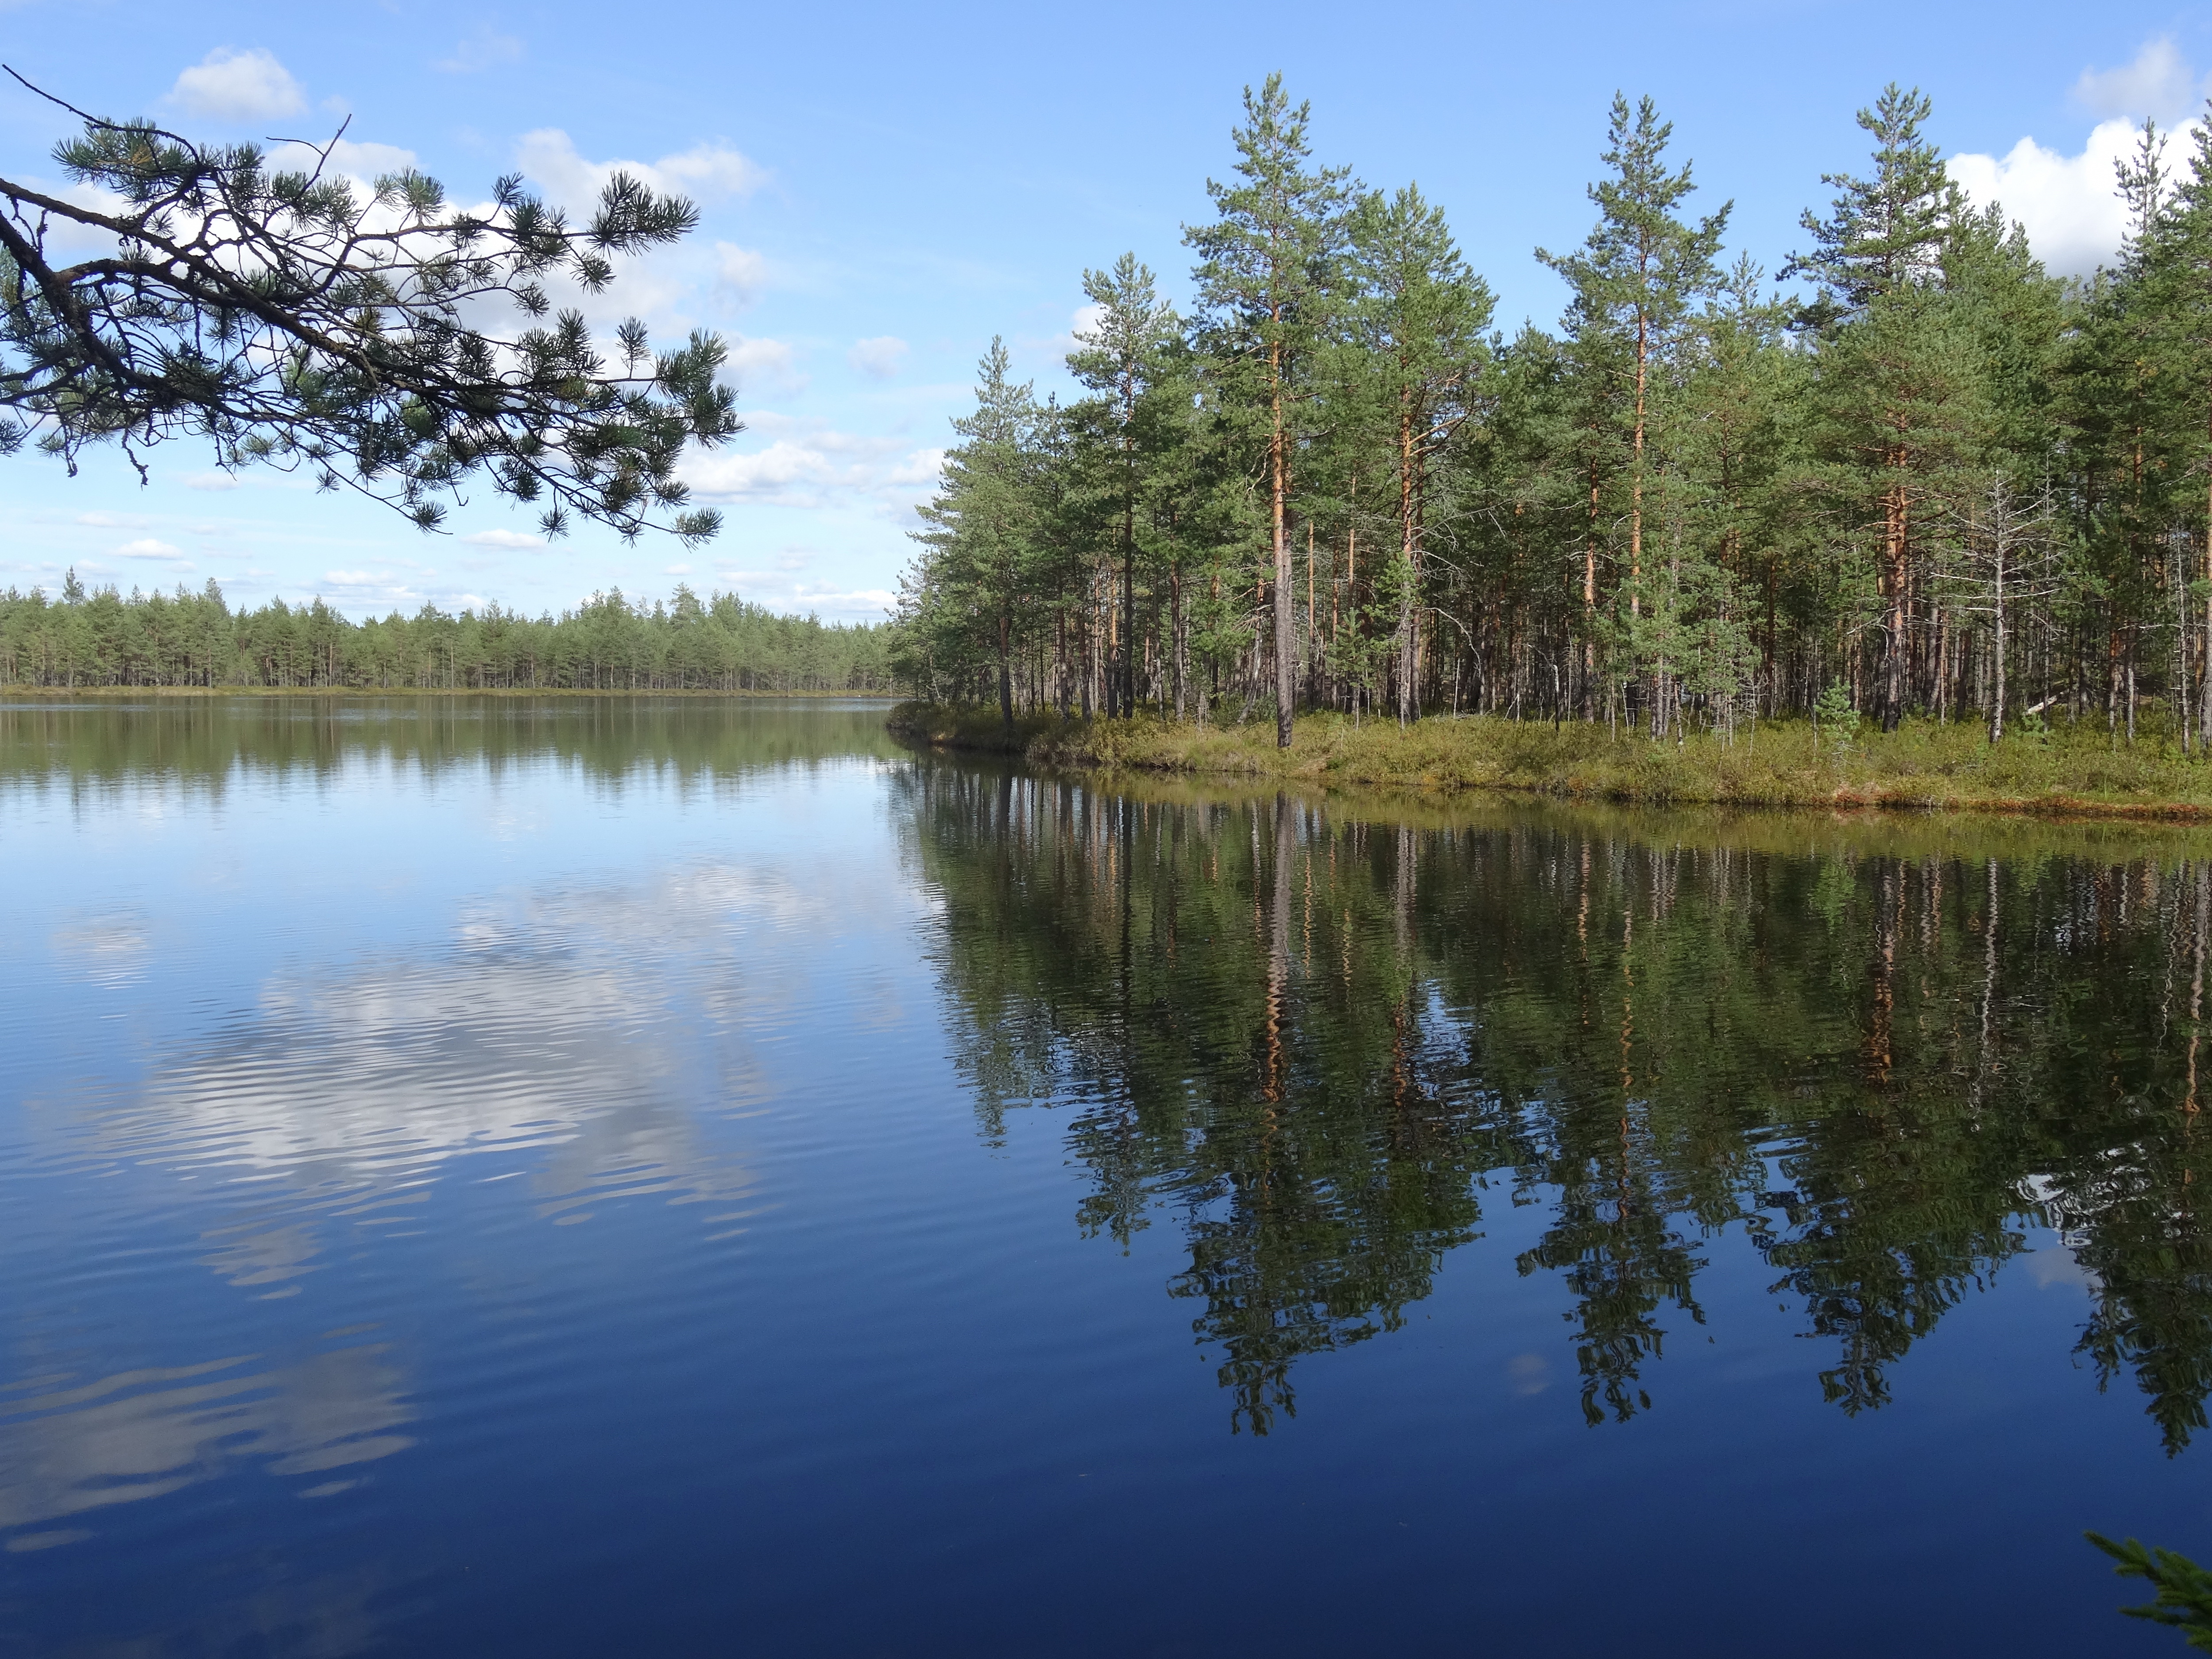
98 637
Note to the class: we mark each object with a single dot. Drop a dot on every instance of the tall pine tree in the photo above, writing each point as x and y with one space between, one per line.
1267 280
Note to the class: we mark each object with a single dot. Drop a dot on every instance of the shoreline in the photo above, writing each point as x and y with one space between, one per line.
1925 767
67 693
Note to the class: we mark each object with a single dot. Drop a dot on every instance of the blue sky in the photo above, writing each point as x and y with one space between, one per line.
885 188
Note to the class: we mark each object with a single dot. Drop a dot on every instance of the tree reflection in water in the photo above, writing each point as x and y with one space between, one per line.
1321 1037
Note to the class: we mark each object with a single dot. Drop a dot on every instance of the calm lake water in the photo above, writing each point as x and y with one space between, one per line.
608 1176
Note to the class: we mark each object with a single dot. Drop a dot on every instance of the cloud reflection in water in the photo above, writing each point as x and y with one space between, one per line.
74 1447
552 1036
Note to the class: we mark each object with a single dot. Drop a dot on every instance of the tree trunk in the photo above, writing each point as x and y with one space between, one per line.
1312 658
1635 468
1181 632
1409 549
1893 572
1589 606
2204 690
1997 656
1128 589
1279 470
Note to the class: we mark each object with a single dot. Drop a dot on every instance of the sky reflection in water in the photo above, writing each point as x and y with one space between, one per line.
583 1175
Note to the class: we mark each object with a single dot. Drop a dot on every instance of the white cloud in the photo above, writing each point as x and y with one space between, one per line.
65 235
229 85
879 359
771 471
860 599
2074 218
548 156
148 547
355 578
923 466
480 51
740 271
778 592
104 520
2160 85
714 169
654 287
753 360
1083 320
808 464
2069 205
364 163
508 539
215 479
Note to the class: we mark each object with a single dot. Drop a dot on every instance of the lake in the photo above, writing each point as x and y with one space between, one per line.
505 1176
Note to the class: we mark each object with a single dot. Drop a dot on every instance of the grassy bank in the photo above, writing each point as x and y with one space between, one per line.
2078 771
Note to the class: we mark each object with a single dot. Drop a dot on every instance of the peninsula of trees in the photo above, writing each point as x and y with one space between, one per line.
1931 478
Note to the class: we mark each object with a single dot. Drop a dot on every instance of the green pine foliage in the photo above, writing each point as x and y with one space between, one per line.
2184 1589
391 343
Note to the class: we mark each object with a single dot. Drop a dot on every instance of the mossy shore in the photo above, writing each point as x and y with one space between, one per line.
2077 771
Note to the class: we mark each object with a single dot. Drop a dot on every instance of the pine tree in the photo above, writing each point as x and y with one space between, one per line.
1121 357
1267 276
983 525
1635 282
1416 324
1736 450
1896 381
2145 371
2013 320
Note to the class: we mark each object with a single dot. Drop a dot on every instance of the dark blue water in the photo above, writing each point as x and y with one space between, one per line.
588 1177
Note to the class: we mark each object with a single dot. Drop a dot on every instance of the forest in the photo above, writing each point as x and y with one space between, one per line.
95 638
1910 473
